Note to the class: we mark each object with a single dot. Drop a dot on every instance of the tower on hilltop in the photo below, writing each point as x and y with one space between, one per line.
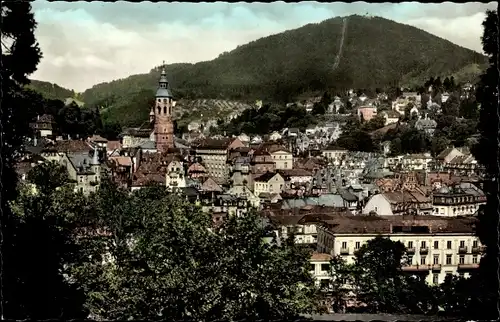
162 115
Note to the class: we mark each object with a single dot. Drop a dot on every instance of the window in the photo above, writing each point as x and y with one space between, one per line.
423 244
436 244
344 245
462 243
475 244
358 244
422 260
448 244
474 259
448 259
410 244
461 259
435 278
410 259
436 259
325 267
324 283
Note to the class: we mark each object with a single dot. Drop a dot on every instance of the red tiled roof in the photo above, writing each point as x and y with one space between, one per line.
383 225
69 146
113 145
321 257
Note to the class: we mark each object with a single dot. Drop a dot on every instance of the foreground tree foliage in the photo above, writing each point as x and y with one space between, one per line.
164 261
486 151
46 212
377 281
34 245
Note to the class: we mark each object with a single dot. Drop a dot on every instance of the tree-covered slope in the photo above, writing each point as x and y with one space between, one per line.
376 52
52 91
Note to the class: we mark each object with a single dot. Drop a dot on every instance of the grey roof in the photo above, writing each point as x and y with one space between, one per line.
148 145
180 145
327 200
348 196
81 162
190 191
163 92
426 123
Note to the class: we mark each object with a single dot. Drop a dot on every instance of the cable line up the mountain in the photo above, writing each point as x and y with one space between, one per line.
339 54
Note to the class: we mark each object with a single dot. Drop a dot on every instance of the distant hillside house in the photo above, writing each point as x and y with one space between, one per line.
367 112
390 117
275 136
43 125
333 152
194 126
425 124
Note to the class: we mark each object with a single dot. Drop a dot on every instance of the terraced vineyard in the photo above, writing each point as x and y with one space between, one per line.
206 109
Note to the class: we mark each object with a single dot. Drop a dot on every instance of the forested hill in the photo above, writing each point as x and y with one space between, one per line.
52 91
376 52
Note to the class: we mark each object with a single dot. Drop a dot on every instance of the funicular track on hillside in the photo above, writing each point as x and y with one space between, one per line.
342 38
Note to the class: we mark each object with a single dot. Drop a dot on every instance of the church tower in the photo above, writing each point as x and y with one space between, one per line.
162 115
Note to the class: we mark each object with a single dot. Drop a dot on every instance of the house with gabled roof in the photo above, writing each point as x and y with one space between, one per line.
269 182
448 154
210 185
398 202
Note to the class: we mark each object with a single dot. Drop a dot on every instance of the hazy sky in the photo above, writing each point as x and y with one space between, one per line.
84 43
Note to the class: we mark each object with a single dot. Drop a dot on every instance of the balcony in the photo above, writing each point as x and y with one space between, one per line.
410 250
344 251
467 266
417 268
436 267
476 250
462 250
424 250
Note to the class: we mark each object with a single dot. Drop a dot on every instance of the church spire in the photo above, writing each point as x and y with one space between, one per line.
163 90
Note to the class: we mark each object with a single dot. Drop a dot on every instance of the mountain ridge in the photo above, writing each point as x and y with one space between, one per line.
376 52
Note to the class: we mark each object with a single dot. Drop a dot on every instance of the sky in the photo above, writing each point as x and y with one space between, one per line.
87 43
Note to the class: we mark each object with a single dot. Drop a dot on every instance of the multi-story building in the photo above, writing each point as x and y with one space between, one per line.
412 162
262 162
320 269
214 153
175 176
268 182
84 169
283 159
43 126
461 200
332 153
436 246
398 202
